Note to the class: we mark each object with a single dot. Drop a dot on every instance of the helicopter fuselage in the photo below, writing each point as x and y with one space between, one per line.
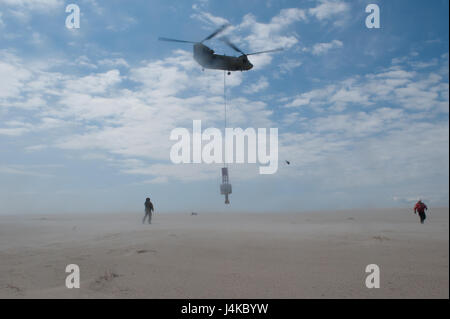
209 60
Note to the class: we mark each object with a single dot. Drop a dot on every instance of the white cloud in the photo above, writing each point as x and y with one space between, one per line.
376 150
118 62
394 137
312 98
98 9
331 9
122 23
35 148
42 5
15 131
322 48
17 128
288 65
37 38
209 18
85 62
405 88
97 114
27 170
272 33
12 79
158 180
262 84
95 83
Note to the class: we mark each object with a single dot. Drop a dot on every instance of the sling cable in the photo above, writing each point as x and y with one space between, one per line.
225 187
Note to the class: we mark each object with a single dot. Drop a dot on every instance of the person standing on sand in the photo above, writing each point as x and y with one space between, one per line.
420 208
148 210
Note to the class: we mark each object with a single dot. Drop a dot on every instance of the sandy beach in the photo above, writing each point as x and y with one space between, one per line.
220 255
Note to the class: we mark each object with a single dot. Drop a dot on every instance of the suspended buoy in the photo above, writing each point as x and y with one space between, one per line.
225 187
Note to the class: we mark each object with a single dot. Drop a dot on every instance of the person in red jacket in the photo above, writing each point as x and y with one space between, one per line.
420 208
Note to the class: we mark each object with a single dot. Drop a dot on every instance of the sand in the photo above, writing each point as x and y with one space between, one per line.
226 255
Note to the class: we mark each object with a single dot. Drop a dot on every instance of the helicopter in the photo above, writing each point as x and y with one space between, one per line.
206 57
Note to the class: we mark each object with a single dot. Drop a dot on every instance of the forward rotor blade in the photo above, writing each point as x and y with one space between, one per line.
174 40
215 33
268 51
231 45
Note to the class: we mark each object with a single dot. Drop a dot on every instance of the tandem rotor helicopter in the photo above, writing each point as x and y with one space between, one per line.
209 60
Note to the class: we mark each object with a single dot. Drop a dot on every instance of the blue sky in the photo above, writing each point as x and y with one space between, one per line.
86 114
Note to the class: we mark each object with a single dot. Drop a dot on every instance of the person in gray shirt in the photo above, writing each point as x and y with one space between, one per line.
148 210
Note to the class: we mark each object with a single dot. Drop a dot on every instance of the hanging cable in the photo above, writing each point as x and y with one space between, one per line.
225 187
225 106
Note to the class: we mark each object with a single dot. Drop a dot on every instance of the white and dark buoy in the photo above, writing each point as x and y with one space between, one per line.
225 187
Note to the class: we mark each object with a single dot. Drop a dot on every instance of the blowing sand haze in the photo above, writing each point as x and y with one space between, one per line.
216 255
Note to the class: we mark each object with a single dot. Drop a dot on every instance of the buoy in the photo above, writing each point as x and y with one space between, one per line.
225 187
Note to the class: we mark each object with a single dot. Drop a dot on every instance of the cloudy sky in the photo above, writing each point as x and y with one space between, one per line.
86 114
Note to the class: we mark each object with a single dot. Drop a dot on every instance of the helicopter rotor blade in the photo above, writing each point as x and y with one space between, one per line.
215 33
231 45
268 51
174 40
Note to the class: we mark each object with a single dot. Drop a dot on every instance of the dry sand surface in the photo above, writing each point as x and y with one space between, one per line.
226 255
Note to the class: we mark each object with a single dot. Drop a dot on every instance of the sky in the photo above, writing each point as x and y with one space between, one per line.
86 114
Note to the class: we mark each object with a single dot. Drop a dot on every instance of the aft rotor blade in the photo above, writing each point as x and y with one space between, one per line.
231 45
215 33
268 51
174 40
